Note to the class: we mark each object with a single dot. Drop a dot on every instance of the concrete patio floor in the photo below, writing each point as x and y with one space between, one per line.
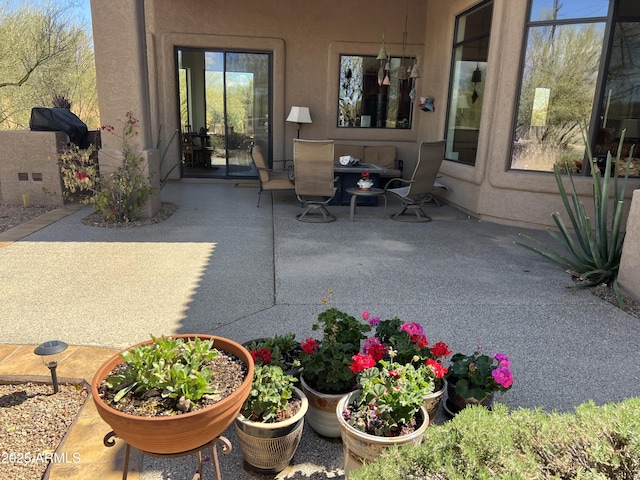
222 266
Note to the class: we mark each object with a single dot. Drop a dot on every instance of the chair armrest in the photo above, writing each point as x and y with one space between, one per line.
401 180
400 164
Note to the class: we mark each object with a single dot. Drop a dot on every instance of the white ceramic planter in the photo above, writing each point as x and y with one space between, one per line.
321 415
269 447
359 447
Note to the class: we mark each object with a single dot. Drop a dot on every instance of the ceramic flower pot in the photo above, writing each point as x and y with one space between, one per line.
359 447
179 433
269 447
456 403
365 184
432 401
321 415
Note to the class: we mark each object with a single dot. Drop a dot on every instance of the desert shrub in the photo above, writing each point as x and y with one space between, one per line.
595 442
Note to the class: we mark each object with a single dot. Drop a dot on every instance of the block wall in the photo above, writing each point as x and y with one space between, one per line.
28 165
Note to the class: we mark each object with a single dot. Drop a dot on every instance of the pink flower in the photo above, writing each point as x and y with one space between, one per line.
361 362
503 376
412 328
373 347
373 321
365 315
309 345
502 359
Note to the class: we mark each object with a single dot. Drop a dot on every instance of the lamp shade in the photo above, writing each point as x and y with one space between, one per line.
299 115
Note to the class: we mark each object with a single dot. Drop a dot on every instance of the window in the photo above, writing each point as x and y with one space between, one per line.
566 87
466 92
374 93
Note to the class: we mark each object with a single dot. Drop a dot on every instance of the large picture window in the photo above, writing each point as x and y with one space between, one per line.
565 87
375 93
466 93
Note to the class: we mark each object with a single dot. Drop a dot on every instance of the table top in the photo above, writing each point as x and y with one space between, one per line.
373 191
363 167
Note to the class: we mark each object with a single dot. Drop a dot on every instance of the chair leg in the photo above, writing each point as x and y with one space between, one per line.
320 215
404 216
259 197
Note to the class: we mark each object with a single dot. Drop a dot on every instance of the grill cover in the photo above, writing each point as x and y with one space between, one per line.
60 120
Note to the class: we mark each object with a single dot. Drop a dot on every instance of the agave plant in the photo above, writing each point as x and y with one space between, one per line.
593 251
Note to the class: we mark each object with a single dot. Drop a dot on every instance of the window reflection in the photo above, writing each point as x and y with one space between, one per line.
371 95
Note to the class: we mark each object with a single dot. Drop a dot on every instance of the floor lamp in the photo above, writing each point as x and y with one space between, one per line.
299 115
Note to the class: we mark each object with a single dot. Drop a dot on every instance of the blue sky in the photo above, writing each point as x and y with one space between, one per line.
81 9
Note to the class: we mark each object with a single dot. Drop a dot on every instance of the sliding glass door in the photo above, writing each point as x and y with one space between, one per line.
225 102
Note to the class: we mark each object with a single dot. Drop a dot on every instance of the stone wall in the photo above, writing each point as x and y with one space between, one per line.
28 165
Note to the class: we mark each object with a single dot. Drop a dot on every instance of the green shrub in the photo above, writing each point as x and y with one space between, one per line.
595 442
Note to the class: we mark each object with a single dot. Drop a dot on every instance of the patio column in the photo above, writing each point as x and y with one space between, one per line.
629 273
122 84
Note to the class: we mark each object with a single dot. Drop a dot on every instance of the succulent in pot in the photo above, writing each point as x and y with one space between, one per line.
173 393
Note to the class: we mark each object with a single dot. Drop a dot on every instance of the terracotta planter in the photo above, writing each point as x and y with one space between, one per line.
269 447
432 401
321 415
359 447
456 403
180 433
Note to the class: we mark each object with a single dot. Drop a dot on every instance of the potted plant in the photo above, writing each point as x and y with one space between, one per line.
386 409
270 423
408 344
473 379
326 375
281 350
163 397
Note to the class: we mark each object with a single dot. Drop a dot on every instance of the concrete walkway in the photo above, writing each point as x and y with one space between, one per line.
222 266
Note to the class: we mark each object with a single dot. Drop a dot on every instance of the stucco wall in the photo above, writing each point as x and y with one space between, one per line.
29 165
306 39
629 274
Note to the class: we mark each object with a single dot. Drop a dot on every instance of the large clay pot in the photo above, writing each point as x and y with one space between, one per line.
269 447
432 401
179 433
456 403
321 415
359 447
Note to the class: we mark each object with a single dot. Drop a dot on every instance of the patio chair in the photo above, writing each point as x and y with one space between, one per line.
418 192
314 178
270 179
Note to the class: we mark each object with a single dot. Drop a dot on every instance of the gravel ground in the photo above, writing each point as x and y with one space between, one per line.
13 215
33 421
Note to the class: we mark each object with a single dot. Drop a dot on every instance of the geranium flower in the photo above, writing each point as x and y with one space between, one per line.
440 349
503 376
373 321
82 175
503 360
365 315
412 328
309 345
438 368
373 347
419 340
261 354
361 362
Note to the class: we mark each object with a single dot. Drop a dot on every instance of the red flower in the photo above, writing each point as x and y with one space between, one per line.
261 354
439 370
373 347
82 175
440 349
419 340
361 362
395 374
309 345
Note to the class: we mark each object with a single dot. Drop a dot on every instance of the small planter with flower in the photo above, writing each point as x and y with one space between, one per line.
474 379
281 350
386 409
269 426
326 376
409 345
365 182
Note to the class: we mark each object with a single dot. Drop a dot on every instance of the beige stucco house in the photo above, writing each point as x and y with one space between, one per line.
483 63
